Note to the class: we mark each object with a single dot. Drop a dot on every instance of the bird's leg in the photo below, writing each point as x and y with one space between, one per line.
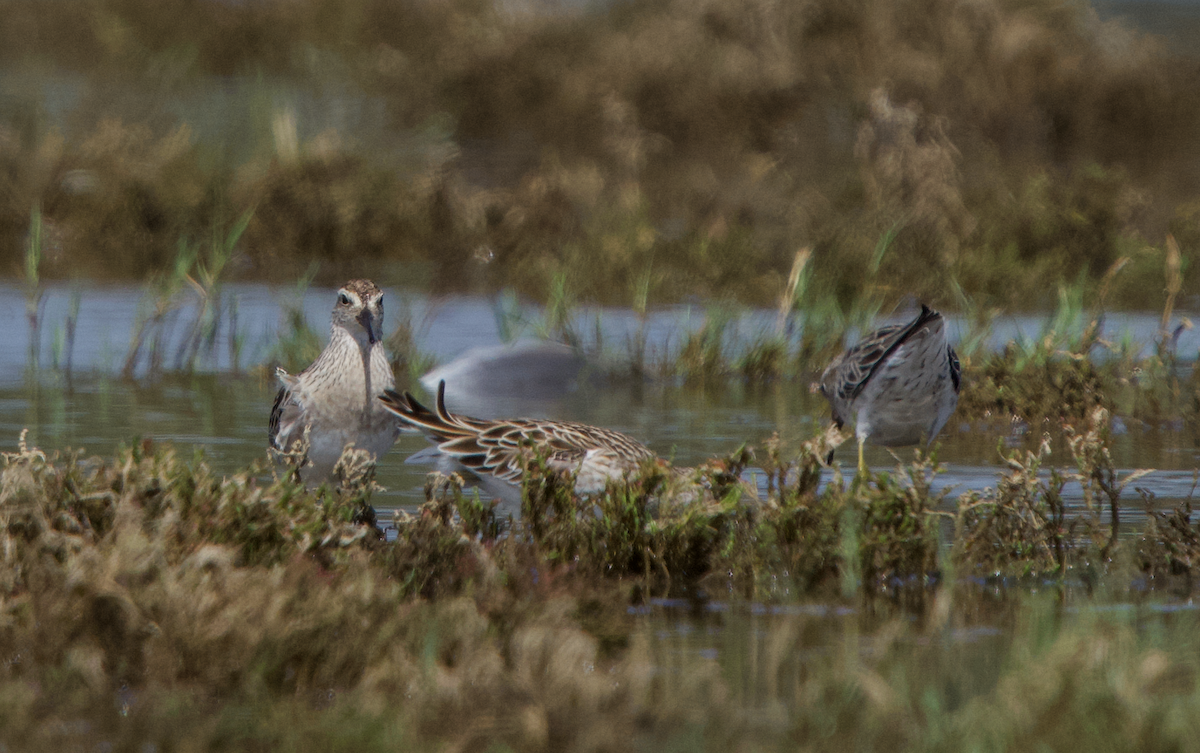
862 465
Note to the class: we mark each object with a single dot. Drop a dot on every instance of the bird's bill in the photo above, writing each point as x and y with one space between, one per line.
367 320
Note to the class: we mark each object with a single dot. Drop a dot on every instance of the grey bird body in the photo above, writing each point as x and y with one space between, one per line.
899 384
491 449
336 397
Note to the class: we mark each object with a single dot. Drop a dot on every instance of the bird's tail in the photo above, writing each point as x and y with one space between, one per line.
440 424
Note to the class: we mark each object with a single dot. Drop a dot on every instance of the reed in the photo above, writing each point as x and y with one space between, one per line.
409 362
34 294
297 344
200 339
157 314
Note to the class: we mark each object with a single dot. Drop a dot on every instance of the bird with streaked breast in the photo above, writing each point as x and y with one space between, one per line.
900 383
336 397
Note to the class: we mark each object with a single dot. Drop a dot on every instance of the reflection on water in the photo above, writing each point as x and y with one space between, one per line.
227 414
228 417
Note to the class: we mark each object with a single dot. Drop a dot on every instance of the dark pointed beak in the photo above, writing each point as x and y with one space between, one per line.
368 322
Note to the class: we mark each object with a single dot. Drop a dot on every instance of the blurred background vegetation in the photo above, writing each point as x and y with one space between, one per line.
627 150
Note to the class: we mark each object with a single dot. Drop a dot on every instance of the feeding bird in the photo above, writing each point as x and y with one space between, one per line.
335 398
492 449
900 383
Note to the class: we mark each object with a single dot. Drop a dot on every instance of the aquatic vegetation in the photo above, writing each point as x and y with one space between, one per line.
34 294
1168 549
660 528
408 361
1005 384
635 343
157 314
64 335
1019 528
202 267
897 542
1097 474
557 321
656 526
793 542
145 598
154 598
1074 367
297 344
702 357
209 272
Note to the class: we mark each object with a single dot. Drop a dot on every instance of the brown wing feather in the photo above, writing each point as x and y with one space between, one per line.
494 446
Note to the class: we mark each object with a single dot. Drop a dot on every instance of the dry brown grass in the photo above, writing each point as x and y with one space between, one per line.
1007 145
145 599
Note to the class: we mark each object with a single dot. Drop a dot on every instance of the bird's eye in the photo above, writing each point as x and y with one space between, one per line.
343 299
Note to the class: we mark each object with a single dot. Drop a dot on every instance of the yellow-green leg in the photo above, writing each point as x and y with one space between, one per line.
862 465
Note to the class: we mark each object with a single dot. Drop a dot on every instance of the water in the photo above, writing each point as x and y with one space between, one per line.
225 414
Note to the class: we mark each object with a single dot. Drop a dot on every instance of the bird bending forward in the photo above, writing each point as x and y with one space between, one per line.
900 383
492 450
335 398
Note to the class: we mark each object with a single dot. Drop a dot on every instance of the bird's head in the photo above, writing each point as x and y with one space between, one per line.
359 311
828 384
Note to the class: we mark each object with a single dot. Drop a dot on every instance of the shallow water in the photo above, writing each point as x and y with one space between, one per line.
226 413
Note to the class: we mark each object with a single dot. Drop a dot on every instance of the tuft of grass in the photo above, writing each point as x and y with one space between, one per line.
200 339
64 335
157 314
298 344
702 358
407 359
1019 529
1168 548
34 294
898 537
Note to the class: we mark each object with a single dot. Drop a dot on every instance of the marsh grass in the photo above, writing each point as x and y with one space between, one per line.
64 335
702 357
34 293
147 599
658 526
1019 529
1074 367
157 315
1022 528
409 362
899 534
297 344
199 341
1168 550
202 267
594 146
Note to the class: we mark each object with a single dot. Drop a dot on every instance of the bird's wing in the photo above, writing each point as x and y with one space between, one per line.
862 361
496 447
286 426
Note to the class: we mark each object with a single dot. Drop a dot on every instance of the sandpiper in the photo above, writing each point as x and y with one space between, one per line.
335 398
491 449
900 383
